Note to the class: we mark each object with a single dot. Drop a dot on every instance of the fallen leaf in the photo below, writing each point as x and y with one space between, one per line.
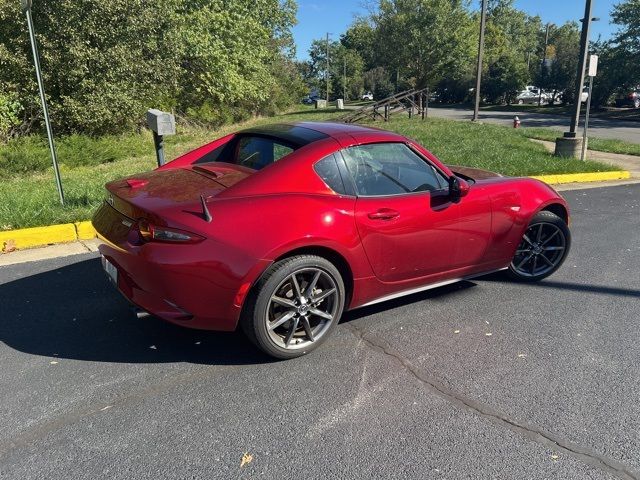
247 458
488 334
9 246
456 331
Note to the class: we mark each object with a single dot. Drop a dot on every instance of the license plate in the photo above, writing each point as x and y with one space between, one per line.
111 270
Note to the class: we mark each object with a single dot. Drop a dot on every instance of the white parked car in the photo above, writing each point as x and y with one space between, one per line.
367 96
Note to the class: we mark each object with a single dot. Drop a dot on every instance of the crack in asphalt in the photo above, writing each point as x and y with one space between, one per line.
530 432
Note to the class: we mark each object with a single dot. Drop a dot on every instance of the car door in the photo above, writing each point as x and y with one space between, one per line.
406 220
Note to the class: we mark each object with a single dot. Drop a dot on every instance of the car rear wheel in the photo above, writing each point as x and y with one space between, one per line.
543 248
294 307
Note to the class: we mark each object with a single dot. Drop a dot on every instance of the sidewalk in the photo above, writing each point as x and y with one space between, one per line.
49 252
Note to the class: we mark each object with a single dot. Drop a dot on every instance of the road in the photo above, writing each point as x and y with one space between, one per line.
482 379
598 127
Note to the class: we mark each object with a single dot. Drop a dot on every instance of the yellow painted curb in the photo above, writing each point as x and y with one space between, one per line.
583 177
85 230
35 237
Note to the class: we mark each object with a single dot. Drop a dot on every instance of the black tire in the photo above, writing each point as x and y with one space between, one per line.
538 257
261 309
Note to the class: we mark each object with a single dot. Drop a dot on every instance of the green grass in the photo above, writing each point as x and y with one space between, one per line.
28 195
487 146
599 144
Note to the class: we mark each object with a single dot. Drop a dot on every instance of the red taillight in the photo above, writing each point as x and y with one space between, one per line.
153 233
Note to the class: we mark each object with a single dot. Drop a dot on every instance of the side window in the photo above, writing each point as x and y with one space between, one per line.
327 169
390 169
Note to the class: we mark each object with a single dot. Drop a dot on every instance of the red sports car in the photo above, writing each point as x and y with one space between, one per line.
281 228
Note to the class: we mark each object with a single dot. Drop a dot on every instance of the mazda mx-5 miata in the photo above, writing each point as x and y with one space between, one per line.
283 227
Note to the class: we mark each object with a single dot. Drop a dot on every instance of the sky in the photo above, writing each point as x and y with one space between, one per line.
317 17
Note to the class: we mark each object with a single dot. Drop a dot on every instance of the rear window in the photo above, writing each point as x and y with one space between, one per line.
250 151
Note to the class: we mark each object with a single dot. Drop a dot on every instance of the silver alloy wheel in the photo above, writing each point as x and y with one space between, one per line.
302 308
542 248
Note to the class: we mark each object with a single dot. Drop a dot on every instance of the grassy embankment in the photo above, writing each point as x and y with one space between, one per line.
27 189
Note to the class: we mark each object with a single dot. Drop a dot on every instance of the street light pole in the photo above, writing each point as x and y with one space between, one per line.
483 19
26 8
582 62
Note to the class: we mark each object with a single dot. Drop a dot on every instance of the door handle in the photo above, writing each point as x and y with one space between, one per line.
384 214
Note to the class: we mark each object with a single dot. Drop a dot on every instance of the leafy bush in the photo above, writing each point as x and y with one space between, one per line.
105 62
9 114
24 155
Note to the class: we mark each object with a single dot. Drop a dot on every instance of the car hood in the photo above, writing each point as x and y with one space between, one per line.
474 173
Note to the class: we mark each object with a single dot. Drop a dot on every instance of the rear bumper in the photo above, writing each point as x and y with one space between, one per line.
195 286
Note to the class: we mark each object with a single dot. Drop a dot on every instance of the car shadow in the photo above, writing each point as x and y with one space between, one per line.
439 293
571 286
74 312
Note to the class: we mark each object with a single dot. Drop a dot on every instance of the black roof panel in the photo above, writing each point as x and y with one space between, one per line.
292 134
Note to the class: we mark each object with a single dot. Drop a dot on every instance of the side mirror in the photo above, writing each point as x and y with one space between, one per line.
458 187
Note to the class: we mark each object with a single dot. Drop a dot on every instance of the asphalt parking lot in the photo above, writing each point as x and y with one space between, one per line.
482 379
598 127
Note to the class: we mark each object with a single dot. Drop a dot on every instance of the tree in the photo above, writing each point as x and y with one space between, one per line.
102 61
105 62
566 48
626 15
378 81
424 40
361 37
510 37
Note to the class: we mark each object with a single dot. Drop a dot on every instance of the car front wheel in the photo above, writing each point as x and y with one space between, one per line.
294 307
544 246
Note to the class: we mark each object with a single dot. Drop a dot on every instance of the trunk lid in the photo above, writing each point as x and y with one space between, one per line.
158 193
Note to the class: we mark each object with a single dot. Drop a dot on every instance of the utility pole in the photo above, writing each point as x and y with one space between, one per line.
26 8
483 19
544 64
344 76
326 73
582 62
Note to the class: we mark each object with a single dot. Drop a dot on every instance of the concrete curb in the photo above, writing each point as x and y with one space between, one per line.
70 232
38 236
